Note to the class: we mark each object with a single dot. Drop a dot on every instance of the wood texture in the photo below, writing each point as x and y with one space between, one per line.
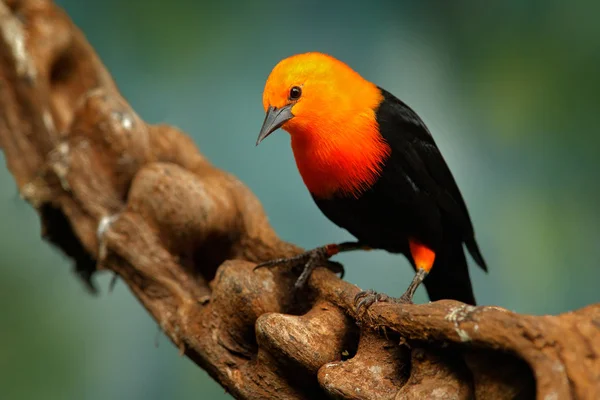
115 193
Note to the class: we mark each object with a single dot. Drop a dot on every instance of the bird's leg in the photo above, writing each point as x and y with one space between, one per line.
423 257
367 298
318 257
407 296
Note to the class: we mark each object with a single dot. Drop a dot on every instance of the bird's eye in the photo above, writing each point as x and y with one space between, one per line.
295 93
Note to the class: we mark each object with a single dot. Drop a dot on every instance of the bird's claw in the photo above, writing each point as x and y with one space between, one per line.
270 263
367 298
292 262
308 261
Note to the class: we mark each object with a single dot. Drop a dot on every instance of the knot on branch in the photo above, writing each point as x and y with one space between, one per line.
118 194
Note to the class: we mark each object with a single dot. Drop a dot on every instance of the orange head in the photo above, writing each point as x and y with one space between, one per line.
329 111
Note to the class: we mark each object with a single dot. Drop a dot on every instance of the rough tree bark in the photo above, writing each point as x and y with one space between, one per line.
116 193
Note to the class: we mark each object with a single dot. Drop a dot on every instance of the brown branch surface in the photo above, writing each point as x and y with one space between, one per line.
140 200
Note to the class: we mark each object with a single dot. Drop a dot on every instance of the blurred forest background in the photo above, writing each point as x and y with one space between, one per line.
510 92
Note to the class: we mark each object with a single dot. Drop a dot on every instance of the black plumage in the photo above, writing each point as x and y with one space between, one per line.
417 197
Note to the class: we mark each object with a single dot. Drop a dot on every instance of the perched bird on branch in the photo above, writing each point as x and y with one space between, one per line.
373 168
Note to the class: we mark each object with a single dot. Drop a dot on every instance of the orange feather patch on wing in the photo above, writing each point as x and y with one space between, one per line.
423 255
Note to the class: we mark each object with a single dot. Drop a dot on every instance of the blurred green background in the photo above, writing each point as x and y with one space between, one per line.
510 91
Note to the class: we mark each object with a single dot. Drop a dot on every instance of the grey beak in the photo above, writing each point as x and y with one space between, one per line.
273 120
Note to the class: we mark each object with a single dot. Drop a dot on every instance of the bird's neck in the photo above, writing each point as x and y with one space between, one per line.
336 161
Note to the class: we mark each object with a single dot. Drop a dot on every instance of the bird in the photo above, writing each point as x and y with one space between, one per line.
373 168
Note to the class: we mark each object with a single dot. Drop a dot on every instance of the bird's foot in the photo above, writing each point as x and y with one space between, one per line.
307 261
404 299
367 298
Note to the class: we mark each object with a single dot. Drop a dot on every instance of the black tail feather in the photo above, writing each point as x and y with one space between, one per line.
476 253
449 277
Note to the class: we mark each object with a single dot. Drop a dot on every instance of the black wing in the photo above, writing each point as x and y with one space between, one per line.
416 156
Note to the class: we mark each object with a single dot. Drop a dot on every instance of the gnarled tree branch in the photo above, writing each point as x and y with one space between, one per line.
116 193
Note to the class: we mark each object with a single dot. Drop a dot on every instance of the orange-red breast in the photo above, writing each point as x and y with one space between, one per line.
373 168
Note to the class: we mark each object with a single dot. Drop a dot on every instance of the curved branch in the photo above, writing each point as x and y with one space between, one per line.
118 194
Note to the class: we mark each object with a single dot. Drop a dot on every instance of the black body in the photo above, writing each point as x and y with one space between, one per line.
415 196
